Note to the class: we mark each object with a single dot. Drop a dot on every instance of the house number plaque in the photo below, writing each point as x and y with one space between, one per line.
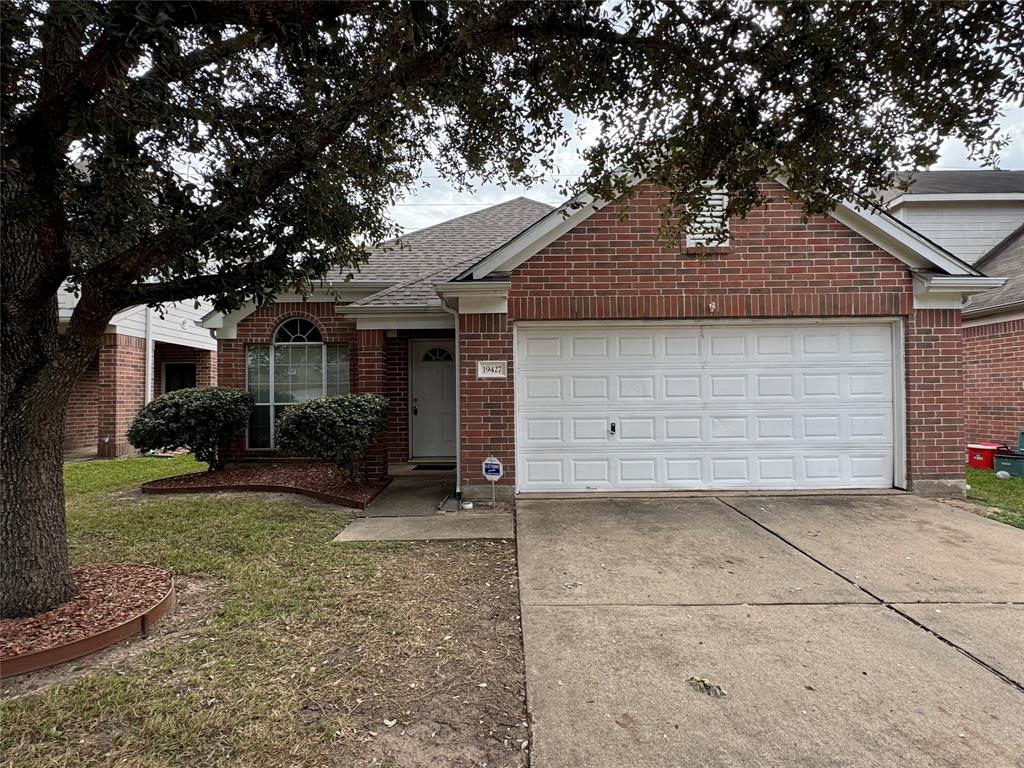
491 369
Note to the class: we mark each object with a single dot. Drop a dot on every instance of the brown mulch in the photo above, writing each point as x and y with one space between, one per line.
327 482
108 595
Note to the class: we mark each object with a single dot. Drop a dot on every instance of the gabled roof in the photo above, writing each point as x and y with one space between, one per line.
988 182
881 228
1005 260
454 241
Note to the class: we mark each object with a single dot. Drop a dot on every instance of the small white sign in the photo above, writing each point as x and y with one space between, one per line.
493 470
491 369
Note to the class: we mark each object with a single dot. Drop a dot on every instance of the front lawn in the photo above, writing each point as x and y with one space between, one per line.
286 649
1006 495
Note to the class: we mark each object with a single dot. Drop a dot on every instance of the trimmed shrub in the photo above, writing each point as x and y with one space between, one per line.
201 419
339 429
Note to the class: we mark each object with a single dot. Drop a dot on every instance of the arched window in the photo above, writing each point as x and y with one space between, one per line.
297 331
297 366
437 355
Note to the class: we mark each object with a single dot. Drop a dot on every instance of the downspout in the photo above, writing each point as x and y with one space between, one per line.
458 399
149 355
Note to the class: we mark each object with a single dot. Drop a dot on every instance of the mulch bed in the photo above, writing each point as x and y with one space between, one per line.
108 595
326 482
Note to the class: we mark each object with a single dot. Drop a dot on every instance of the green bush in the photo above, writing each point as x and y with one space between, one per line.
339 429
201 419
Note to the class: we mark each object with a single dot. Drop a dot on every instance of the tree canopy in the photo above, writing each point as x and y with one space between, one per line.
163 151
231 149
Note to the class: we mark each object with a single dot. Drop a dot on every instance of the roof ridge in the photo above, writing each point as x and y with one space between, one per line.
465 216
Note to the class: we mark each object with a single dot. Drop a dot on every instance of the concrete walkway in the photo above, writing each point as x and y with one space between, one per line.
845 631
407 510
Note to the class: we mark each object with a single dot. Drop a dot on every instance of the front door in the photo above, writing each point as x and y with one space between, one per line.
179 376
432 398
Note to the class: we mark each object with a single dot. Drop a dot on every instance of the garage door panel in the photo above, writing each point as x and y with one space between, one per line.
765 406
709 428
812 385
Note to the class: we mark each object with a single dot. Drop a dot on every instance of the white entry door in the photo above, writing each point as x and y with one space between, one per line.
656 406
432 398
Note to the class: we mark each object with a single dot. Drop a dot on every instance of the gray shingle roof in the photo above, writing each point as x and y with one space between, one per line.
964 182
1005 260
467 237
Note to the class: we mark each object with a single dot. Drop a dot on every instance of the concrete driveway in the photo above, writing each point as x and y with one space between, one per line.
846 630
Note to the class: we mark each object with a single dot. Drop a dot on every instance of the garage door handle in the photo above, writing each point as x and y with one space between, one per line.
612 428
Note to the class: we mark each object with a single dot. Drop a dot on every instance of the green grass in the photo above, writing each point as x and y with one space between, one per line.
83 477
1005 495
273 616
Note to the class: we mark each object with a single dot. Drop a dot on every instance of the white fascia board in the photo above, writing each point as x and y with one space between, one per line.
933 291
401 318
966 197
483 298
998 315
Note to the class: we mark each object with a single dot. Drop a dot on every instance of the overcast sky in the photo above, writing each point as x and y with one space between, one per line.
438 202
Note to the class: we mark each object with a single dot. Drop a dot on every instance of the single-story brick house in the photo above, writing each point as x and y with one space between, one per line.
978 215
588 353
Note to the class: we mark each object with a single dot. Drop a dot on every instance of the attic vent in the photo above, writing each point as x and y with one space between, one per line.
705 231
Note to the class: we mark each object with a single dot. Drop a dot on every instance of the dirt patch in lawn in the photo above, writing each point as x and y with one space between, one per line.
451 691
326 482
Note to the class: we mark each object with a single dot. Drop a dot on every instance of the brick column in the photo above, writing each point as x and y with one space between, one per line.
935 403
121 391
487 405
371 365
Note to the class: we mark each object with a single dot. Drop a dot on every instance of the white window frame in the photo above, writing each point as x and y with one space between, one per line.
272 405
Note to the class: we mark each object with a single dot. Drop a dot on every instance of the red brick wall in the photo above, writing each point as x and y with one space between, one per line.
775 266
204 360
488 419
83 411
934 393
994 381
122 390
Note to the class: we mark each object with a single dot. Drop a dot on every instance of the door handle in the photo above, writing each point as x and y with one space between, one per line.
415 411
611 428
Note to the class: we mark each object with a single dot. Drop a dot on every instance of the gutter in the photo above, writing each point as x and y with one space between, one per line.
149 356
458 400
997 309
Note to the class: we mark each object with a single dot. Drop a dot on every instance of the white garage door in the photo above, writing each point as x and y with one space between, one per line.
716 406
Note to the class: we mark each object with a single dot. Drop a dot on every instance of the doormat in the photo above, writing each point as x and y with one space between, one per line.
436 467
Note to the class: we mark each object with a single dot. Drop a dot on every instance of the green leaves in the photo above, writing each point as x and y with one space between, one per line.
201 419
254 144
339 429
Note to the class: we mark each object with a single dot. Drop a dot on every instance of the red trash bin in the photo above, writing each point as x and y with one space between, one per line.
981 455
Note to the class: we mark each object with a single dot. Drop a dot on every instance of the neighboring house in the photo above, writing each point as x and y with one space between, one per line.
589 354
994 347
143 355
979 216
966 212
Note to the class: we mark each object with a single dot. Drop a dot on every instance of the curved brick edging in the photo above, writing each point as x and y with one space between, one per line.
342 501
59 654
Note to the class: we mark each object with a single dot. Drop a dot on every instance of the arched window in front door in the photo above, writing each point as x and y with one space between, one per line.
437 355
296 367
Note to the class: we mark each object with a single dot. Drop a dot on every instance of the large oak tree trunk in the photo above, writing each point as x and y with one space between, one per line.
34 573
37 375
